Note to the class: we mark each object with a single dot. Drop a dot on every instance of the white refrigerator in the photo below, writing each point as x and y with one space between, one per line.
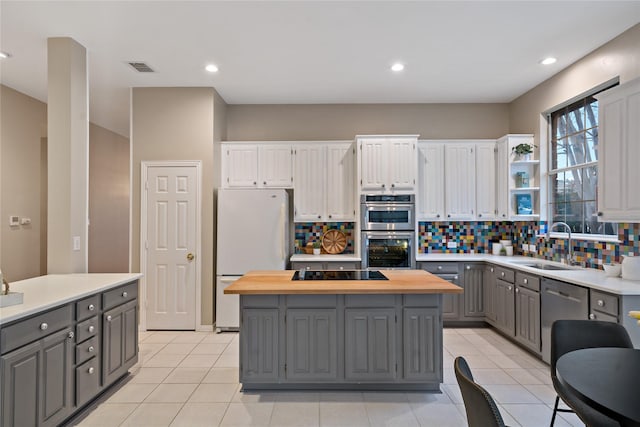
253 234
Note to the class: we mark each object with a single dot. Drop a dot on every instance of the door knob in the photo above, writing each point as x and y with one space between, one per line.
190 256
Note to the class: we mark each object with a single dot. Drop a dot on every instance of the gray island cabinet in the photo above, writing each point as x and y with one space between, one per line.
354 339
55 361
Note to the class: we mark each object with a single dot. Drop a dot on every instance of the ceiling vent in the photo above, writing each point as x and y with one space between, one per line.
141 67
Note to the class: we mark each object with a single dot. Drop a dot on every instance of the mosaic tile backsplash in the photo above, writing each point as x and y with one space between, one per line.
310 231
477 236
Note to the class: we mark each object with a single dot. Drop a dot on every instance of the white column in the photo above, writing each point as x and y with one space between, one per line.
68 147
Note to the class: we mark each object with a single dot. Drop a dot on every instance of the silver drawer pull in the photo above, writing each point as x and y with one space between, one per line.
92 328
468 267
492 269
44 326
509 288
91 307
341 268
517 290
592 316
124 294
91 370
600 303
90 349
439 267
502 273
70 335
108 318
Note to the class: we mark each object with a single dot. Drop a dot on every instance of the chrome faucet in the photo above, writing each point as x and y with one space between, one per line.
569 254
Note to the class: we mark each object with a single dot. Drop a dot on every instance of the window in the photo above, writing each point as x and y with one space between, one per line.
573 173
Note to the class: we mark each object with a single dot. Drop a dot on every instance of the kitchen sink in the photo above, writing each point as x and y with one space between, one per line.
541 266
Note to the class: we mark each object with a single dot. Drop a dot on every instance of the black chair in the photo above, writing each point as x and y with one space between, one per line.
481 409
571 335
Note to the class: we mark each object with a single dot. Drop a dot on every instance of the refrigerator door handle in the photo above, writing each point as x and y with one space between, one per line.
282 232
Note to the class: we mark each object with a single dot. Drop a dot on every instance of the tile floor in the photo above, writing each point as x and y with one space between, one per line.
191 379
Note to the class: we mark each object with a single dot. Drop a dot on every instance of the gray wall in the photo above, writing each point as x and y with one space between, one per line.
344 121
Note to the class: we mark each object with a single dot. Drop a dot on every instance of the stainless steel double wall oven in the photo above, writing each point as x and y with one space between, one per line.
388 231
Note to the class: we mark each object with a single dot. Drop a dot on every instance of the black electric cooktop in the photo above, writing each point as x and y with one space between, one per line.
339 275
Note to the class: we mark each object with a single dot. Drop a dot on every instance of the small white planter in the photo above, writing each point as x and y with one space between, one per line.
316 251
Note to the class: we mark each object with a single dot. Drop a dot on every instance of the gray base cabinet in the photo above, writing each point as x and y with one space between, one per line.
505 307
51 363
527 294
473 297
367 342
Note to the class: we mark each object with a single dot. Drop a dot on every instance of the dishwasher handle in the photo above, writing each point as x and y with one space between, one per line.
561 294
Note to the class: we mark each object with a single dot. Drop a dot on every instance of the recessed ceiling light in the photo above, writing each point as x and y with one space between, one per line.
211 68
4 55
548 61
397 67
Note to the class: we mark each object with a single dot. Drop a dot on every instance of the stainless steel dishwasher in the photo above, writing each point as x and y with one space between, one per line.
560 300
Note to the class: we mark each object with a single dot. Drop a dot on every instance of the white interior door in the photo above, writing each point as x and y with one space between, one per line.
171 226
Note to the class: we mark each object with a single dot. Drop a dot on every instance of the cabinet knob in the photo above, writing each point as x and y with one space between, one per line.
254 182
44 326
502 273
319 216
455 277
308 267
525 281
503 215
600 303
592 316
341 267
264 182
491 269
599 213
91 349
91 307
70 335
439 267
438 216
125 294
468 267
479 215
509 288
448 215
393 185
517 290
109 318
330 216
92 328
91 370
382 185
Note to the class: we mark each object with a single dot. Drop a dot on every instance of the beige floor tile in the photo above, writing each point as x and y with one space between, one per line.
533 415
222 375
298 396
419 398
209 348
506 417
207 393
391 414
200 415
132 393
479 361
301 414
190 337
164 361
544 393
146 375
343 414
227 361
254 396
198 361
108 415
453 391
173 348
524 376
222 338
439 414
341 396
492 376
153 415
186 376
161 337
506 394
171 393
248 414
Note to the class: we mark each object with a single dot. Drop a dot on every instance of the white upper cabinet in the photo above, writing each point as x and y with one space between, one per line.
502 180
523 179
257 165
460 181
387 164
430 197
619 153
324 182
486 181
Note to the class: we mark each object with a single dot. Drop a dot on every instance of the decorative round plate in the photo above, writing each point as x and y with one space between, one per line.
334 242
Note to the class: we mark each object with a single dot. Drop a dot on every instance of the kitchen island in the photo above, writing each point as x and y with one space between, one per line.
341 333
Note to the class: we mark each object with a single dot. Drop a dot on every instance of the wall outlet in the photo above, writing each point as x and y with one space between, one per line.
76 243
25 221
452 245
532 248
14 221
525 247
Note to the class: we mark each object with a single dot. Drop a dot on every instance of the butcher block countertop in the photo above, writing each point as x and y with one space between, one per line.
400 282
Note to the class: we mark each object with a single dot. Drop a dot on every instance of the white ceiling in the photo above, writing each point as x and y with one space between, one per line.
309 51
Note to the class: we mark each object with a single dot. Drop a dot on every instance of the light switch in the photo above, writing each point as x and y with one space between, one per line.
14 221
76 243
25 221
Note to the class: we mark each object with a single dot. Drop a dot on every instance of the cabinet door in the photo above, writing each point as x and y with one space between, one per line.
274 166
119 341
340 182
460 188
502 180
311 344
486 181
402 164
473 296
374 164
505 307
430 203
370 344
422 330
241 165
309 191
528 317
489 280
20 377
56 376
259 334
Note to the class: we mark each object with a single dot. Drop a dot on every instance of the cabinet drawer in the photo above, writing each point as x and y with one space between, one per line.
340 265
372 300
26 331
87 307
87 349
440 267
119 295
312 266
604 317
528 281
506 275
87 329
605 303
87 380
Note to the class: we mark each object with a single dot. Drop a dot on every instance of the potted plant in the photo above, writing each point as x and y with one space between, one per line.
523 151
316 247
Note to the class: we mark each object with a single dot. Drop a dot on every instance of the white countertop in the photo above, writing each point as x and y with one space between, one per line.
588 277
45 292
324 258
